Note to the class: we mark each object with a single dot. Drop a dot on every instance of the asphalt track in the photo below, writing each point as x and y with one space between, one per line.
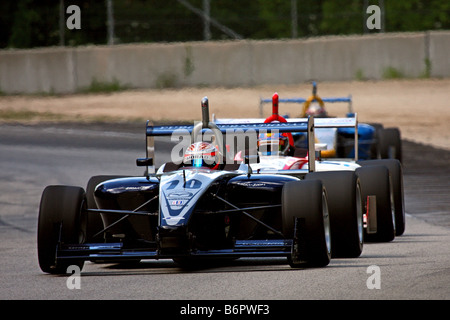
413 266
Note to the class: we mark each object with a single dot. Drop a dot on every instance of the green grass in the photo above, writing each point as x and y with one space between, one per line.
27 115
427 72
10 115
359 75
97 86
166 81
392 73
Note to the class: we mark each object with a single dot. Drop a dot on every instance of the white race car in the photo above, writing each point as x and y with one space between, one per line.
376 186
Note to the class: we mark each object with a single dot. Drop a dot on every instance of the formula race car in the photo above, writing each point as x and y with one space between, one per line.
209 202
288 156
375 141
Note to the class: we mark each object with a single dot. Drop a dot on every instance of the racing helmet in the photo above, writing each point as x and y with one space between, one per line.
270 144
316 110
202 155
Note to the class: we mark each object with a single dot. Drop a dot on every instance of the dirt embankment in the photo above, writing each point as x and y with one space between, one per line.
420 108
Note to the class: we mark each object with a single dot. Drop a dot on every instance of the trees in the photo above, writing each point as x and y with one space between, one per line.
33 23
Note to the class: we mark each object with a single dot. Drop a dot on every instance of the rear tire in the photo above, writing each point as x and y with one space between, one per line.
307 201
396 173
95 221
375 180
346 211
61 220
390 144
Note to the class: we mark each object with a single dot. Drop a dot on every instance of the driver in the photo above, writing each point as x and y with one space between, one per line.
270 144
202 155
316 110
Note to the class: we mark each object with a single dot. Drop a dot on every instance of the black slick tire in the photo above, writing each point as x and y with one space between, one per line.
396 172
375 180
306 203
61 220
94 221
390 144
346 211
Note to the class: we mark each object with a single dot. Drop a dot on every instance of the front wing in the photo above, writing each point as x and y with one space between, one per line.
116 251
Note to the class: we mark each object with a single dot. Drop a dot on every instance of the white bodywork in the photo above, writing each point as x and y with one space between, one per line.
277 163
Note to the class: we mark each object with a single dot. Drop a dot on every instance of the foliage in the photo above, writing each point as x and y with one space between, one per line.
392 73
97 86
36 23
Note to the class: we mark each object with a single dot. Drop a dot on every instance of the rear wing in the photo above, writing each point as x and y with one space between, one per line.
223 134
319 123
306 102
350 121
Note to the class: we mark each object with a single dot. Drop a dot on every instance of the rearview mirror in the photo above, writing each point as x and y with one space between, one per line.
143 162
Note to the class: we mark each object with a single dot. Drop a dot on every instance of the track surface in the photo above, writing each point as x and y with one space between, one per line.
413 266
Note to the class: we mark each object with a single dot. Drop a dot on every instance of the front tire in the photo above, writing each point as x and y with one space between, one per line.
61 220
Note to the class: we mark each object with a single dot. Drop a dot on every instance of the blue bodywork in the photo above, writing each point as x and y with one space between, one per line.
344 144
366 141
367 134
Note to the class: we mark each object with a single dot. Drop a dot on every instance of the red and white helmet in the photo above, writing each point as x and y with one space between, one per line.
202 154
